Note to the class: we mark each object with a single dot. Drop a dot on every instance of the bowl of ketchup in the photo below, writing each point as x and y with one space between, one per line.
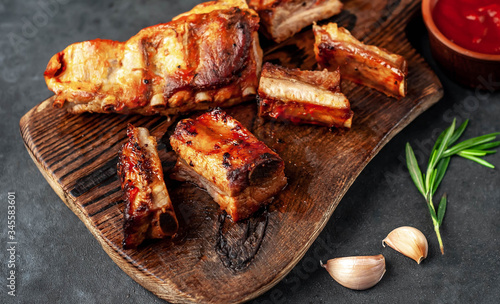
465 39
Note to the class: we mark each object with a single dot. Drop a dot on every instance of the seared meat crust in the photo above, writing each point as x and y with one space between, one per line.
312 97
207 57
217 153
367 65
149 213
282 19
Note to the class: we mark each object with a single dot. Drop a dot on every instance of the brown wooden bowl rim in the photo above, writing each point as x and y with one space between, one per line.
433 30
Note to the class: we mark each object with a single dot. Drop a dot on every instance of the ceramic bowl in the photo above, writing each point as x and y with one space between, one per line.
467 67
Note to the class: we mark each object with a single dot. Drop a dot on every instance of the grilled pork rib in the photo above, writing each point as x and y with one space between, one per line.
207 57
148 212
282 19
364 64
217 153
312 97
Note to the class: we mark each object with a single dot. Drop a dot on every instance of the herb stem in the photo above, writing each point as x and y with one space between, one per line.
427 184
435 222
438 234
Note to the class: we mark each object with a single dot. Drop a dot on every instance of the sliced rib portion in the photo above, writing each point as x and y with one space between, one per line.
149 213
207 57
282 19
312 97
367 65
220 155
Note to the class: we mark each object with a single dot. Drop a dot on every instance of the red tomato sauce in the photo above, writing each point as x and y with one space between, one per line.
471 24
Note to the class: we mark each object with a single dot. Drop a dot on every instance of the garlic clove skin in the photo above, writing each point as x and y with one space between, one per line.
357 272
408 241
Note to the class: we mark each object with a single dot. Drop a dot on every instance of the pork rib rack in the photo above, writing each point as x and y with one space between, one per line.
207 57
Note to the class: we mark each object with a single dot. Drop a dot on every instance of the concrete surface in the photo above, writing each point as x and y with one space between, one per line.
58 261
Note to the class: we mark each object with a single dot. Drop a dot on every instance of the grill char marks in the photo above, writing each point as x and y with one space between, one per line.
204 58
240 172
149 213
335 48
218 51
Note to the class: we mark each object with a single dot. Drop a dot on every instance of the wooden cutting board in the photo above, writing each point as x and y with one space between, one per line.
213 260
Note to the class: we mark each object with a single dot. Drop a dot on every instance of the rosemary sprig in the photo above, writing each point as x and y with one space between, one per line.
427 184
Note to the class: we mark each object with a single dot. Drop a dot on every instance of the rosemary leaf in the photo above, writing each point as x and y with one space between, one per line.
456 135
439 139
477 160
433 158
470 143
478 152
432 211
431 181
460 130
444 144
415 173
428 177
472 153
488 145
441 209
441 168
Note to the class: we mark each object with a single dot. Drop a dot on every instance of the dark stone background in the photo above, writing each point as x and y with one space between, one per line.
58 260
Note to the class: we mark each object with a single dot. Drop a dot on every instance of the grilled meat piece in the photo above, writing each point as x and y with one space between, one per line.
207 57
364 64
148 212
312 97
217 153
282 19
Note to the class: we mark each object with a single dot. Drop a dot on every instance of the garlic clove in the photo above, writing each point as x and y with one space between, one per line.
408 241
357 272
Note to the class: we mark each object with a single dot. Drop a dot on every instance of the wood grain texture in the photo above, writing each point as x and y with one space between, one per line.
214 260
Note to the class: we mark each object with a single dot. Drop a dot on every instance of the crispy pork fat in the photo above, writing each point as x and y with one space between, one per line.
217 153
207 57
367 65
312 97
282 19
148 211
